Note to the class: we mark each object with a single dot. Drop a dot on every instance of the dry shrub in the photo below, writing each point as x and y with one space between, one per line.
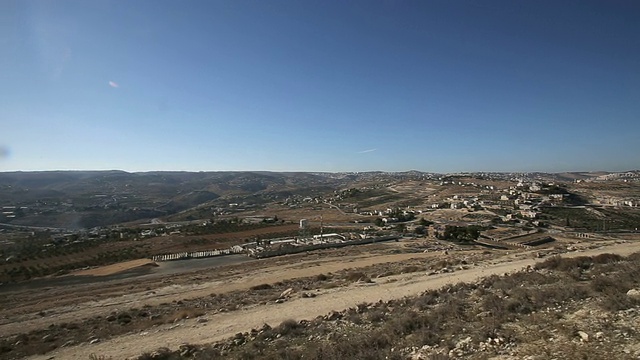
376 316
387 274
505 283
330 285
607 285
160 354
289 326
440 264
565 264
373 345
357 276
442 317
634 257
124 318
354 317
532 278
412 268
614 289
427 299
99 357
405 323
262 287
617 302
189 313
494 304
5 348
607 258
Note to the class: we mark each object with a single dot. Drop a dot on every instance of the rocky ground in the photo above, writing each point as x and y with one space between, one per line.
584 307
306 303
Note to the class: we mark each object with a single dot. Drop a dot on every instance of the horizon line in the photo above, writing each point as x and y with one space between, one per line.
315 171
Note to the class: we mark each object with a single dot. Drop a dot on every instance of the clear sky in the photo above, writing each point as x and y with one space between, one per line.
295 85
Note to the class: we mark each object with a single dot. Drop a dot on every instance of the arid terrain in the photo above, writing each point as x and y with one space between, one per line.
319 180
480 268
126 318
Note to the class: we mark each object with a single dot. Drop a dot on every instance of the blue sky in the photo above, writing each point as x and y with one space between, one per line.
320 85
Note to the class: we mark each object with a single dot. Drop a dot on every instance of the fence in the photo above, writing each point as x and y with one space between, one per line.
198 254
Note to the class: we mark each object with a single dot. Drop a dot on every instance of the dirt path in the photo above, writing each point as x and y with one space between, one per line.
14 324
223 325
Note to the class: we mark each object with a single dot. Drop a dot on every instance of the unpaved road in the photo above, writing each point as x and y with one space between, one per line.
223 325
17 323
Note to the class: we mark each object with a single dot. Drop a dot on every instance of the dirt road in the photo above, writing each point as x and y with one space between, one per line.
17 322
223 325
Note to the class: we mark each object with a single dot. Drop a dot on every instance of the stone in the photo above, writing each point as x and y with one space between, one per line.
634 293
334 316
186 350
286 293
583 336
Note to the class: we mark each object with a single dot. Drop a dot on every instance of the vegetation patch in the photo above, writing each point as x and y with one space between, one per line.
538 313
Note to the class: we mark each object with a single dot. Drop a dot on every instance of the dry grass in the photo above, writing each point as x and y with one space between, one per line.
501 315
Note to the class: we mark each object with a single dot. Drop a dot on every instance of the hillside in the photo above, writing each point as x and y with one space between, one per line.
86 199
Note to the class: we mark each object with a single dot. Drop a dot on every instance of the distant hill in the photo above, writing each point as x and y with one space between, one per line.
85 199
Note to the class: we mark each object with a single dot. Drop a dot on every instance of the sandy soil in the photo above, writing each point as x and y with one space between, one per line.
16 323
115 268
223 325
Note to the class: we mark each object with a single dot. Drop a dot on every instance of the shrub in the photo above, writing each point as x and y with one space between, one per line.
5 348
358 276
262 287
99 357
607 258
617 302
189 313
376 315
124 318
565 264
411 268
289 326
